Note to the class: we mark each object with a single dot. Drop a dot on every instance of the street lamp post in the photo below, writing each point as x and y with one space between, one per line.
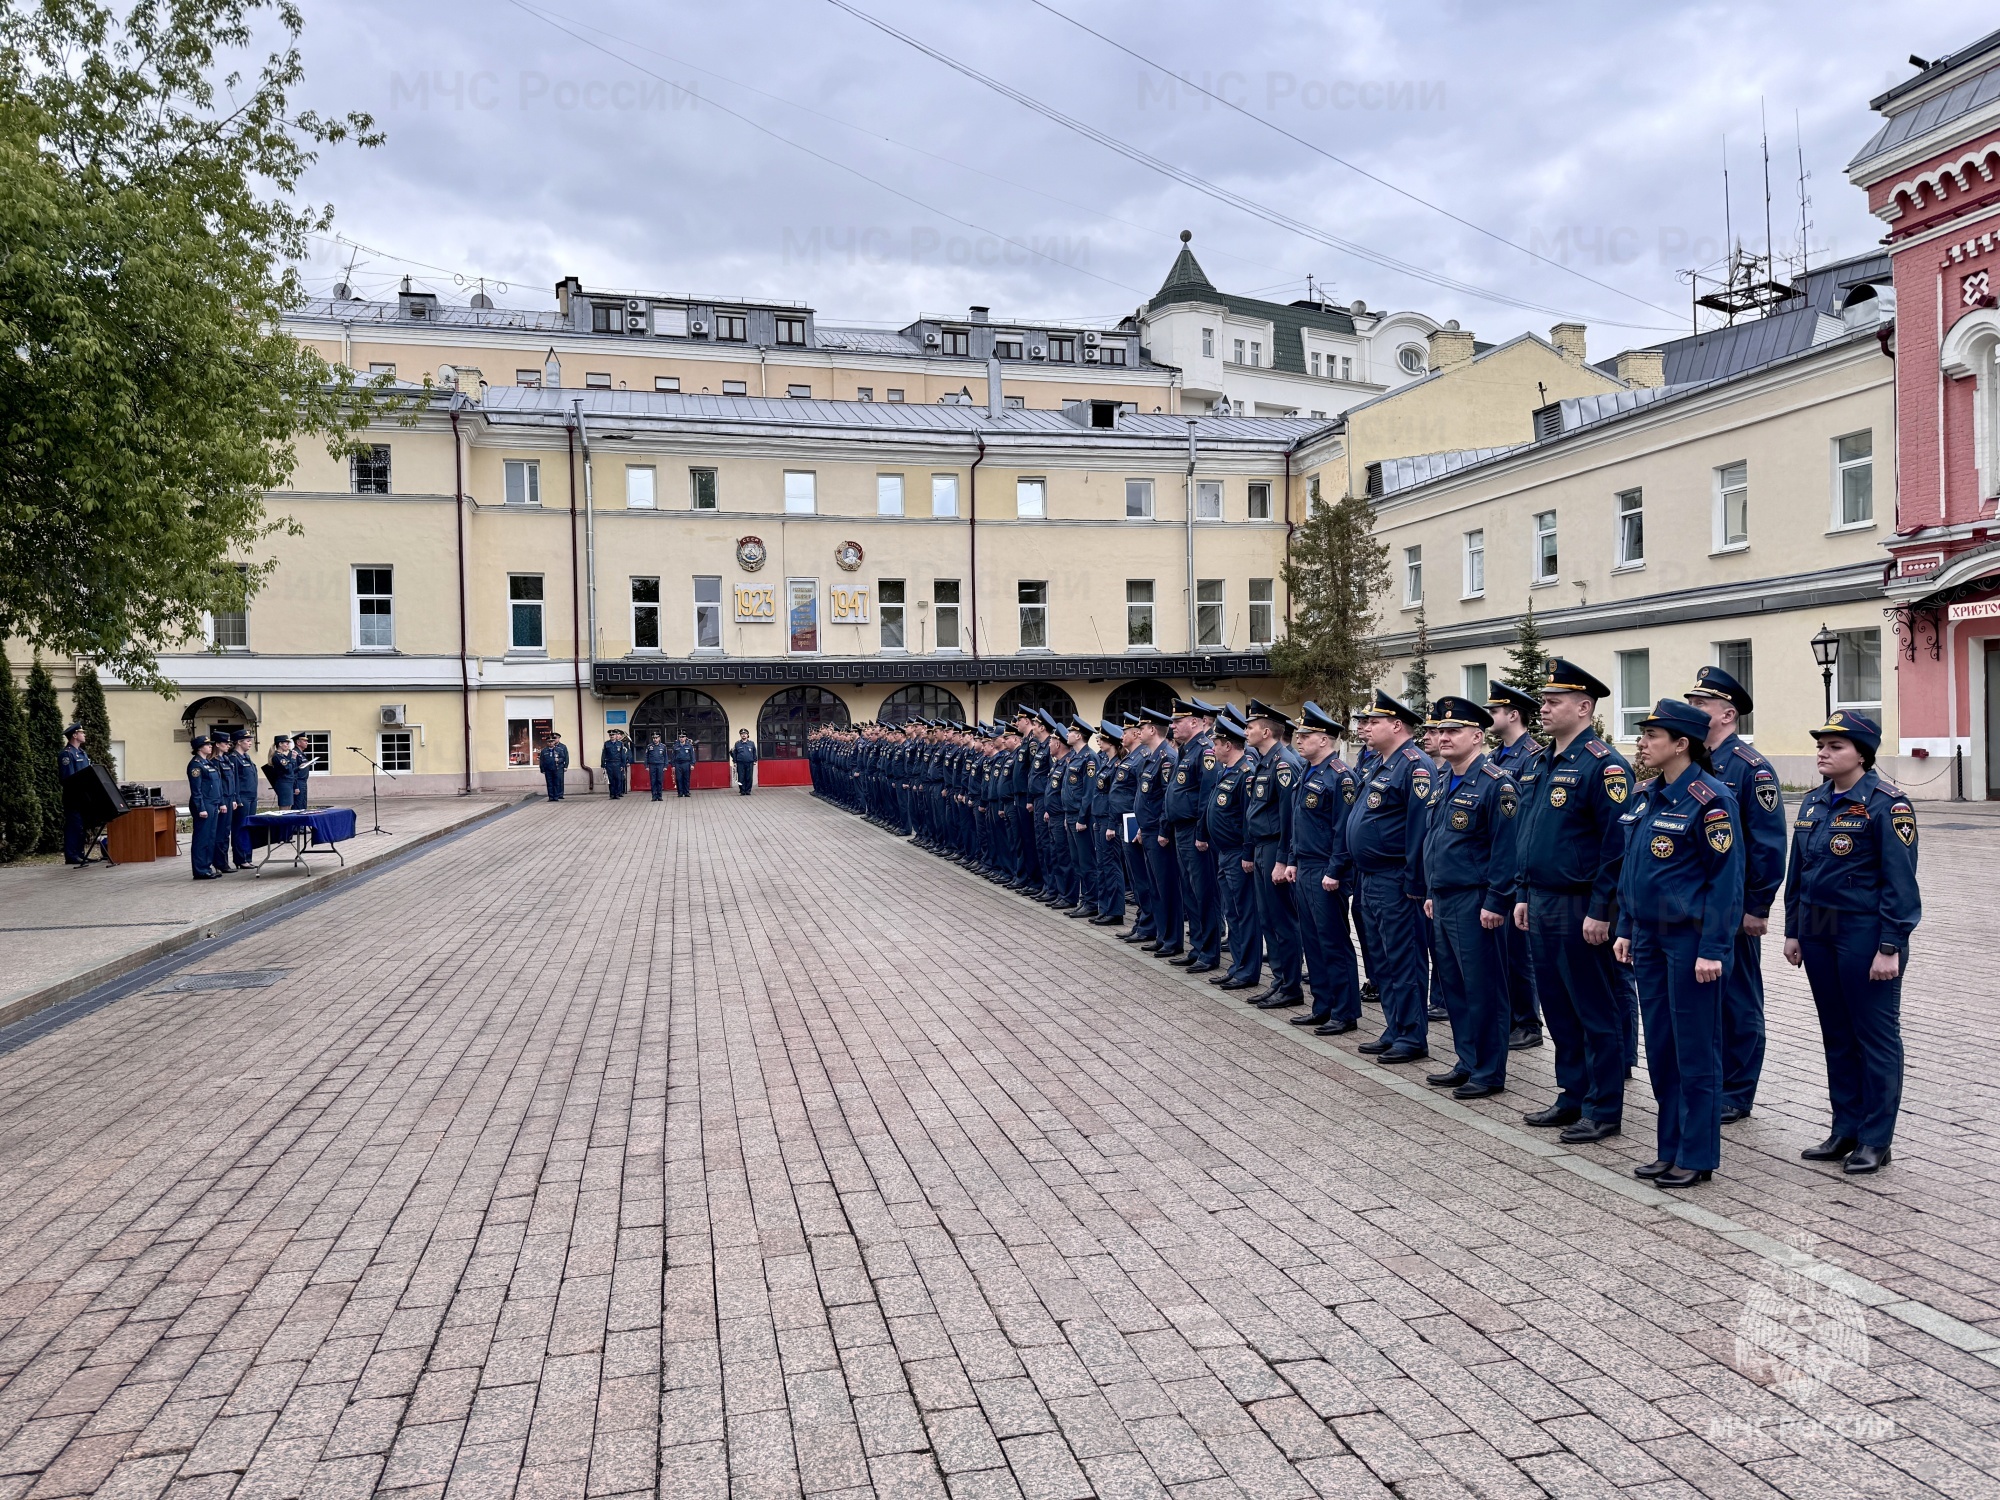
1826 651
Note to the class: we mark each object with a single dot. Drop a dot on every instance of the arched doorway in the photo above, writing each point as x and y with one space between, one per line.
920 700
672 712
219 715
1031 695
1147 692
789 717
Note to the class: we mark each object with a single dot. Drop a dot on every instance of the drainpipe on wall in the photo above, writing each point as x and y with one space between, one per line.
1190 538
972 583
575 609
464 664
1289 529
589 540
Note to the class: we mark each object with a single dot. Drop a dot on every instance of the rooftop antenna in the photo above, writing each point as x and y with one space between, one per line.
1805 224
346 287
1765 130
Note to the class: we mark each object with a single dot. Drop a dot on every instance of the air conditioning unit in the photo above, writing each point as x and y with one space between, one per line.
1090 336
392 715
1038 351
1090 356
932 341
635 322
635 304
697 326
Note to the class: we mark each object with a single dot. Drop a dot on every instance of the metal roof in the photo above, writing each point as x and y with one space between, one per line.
357 310
1187 282
1988 43
1954 103
1407 473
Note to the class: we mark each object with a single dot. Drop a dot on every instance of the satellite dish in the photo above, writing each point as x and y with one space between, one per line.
448 377
342 292
482 301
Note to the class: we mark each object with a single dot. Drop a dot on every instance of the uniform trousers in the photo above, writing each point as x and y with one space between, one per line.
1396 959
614 778
1470 960
73 836
1584 996
1164 879
743 770
239 830
683 779
1083 856
1524 1012
1683 1020
1743 1023
1336 986
1279 914
1860 1020
201 840
554 781
1246 931
1110 867
1137 878
1025 818
1201 895
656 781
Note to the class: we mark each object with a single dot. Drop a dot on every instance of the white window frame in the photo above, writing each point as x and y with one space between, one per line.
1629 714
1040 607
1723 490
712 609
1745 722
1208 499
1841 469
642 487
1256 354
404 756
211 624
355 596
1236 347
1413 576
1539 533
1141 615
1252 509
1208 343
541 609
522 476
801 492
1840 700
1211 614
1141 492
940 607
1315 362
1473 568
1620 514
1031 499
888 494
1474 688
714 488
893 615
944 495
643 607
1267 605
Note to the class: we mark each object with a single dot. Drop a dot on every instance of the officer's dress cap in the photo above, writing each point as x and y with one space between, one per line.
73 729
1130 721
1111 730
1231 729
1259 709
240 736
1677 716
1382 706
1713 682
1313 717
1459 713
1154 716
1506 695
1846 724
197 742
1567 677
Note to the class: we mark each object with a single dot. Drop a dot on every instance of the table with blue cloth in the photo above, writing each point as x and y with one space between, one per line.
318 831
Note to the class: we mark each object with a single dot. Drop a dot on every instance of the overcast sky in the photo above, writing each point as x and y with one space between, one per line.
598 139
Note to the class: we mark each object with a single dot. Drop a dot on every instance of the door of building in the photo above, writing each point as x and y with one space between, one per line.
1993 721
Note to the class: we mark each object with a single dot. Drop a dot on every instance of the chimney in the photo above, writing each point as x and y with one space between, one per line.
996 400
1450 346
1643 368
978 314
1568 337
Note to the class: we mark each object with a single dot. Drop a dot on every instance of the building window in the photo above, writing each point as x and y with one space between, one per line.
1006 348
379 368
1475 563
370 471
944 603
1854 477
524 612
1260 500
645 614
1315 362
316 745
944 494
1031 498
957 341
1208 500
1256 353
1413 358
802 615
1631 528
1413 575
668 383
701 483
597 380
1857 676
799 392
1545 546
732 326
1017 403
1208 611
374 609
801 492
1635 691
524 481
791 330
895 396
229 629
735 388
889 596
1034 601
1734 658
639 486
528 377
1732 506
392 749
1208 343
1236 350
1138 499
604 318
888 494
1139 612
1063 347
527 736
1263 611
864 393
708 612
1472 681
1113 354
1346 367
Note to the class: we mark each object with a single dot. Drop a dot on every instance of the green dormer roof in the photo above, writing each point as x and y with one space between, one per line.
1187 282
1186 279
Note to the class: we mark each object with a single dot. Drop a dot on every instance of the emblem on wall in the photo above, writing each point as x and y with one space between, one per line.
750 553
848 555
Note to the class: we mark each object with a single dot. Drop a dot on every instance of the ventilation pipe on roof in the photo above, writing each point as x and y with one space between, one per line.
996 402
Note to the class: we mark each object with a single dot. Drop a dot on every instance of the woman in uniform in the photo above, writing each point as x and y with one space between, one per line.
1680 903
1850 905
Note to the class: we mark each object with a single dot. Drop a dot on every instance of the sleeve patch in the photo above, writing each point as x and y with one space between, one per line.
1716 815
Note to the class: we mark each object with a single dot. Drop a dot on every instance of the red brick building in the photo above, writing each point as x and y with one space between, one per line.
1932 174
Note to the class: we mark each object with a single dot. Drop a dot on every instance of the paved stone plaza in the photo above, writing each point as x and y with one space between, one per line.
735 1148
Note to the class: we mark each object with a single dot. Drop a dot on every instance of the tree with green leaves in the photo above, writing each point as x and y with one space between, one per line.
45 742
87 694
1527 660
150 234
1335 576
1417 684
20 807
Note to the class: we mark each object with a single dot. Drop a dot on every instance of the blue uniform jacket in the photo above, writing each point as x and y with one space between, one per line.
1279 770
656 757
1193 762
1856 851
1320 802
1470 836
1079 785
1570 838
1683 861
201 786
554 758
1223 819
1155 775
743 752
1519 758
70 760
617 755
1760 805
1385 827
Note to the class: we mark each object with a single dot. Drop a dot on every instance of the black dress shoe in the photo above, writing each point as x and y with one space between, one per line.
1281 1002
1336 1028
1105 921
1131 937
1681 1177
1171 955
1477 1090
1151 945
1182 960
1833 1148
1261 996
1865 1159
1375 1048
1734 1112
1403 1055
1369 993
1234 984
1199 968
1553 1116
1650 1170
1451 1078
1523 1036
1437 1013
1584 1132
1305 1020
1082 913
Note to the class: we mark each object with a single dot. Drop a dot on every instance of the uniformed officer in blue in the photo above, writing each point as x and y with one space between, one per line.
1385 830
655 755
302 770
1320 874
1195 774
744 754
1269 820
1572 847
204 798
554 761
1116 786
280 769
683 766
1469 872
242 779
1519 753
616 762
1851 904
1680 909
1156 834
72 760
1079 791
1224 829
1760 808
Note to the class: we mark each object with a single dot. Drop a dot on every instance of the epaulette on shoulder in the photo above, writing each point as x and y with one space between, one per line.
1492 770
1701 792
1887 789
1598 748
1411 752
1744 752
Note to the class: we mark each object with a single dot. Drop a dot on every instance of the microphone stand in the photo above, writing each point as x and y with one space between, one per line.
374 798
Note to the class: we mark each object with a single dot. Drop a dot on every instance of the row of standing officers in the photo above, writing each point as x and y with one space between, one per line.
1501 889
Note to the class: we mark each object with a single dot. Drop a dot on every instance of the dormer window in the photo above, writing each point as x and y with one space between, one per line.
957 341
1006 348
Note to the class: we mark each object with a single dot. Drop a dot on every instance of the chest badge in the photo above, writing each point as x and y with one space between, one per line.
1461 820
1662 846
1222 799
1312 799
1375 797
1180 776
1841 843
1558 795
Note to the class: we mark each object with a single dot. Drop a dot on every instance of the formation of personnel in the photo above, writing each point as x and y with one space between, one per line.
222 780
1488 878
